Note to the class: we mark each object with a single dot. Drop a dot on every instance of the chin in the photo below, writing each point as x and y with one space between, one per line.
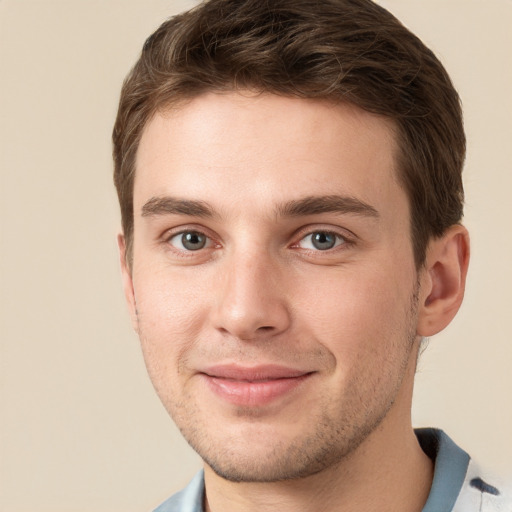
263 459
275 469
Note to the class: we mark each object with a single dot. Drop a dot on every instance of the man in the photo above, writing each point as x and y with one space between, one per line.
289 175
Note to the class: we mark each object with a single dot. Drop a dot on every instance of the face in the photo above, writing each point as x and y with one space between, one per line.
273 283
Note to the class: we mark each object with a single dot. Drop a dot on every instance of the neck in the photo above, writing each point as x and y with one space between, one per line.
387 472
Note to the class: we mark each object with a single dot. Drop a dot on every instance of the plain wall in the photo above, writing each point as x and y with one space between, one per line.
81 428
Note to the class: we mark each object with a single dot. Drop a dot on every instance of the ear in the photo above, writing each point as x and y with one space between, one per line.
443 280
126 273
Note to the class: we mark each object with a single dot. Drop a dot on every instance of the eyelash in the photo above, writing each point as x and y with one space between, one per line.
342 241
168 237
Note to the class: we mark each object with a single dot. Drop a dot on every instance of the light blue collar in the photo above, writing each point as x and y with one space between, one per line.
450 468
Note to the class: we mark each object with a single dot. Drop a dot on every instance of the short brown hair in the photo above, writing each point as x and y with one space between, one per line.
341 50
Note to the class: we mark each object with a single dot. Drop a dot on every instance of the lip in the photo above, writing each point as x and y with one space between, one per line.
253 386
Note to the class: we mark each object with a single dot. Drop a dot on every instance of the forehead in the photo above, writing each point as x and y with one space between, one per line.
268 147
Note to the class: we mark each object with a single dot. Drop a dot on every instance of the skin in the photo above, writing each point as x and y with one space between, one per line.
235 168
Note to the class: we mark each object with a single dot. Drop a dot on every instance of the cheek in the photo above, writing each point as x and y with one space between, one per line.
359 312
167 300
366 325
170 315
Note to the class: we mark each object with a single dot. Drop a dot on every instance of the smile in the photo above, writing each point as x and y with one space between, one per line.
253 387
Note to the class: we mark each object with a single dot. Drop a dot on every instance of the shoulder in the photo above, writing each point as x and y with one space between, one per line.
459 483
483 491
189 499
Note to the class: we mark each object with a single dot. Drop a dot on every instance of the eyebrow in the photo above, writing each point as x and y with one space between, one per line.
311 205
171 205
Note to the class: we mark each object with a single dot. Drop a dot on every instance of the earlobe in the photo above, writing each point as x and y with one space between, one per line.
443 281
127 281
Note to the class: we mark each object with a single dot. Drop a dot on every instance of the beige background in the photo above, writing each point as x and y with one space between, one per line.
80 428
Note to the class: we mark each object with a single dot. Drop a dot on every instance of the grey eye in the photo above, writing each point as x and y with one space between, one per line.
321 241
189 241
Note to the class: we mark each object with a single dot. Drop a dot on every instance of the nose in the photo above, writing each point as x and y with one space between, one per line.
251 303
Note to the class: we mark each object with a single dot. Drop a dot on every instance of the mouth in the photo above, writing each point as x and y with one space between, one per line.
253 386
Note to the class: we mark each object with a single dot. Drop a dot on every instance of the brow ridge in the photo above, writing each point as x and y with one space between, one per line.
310 205
167 205
313 205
